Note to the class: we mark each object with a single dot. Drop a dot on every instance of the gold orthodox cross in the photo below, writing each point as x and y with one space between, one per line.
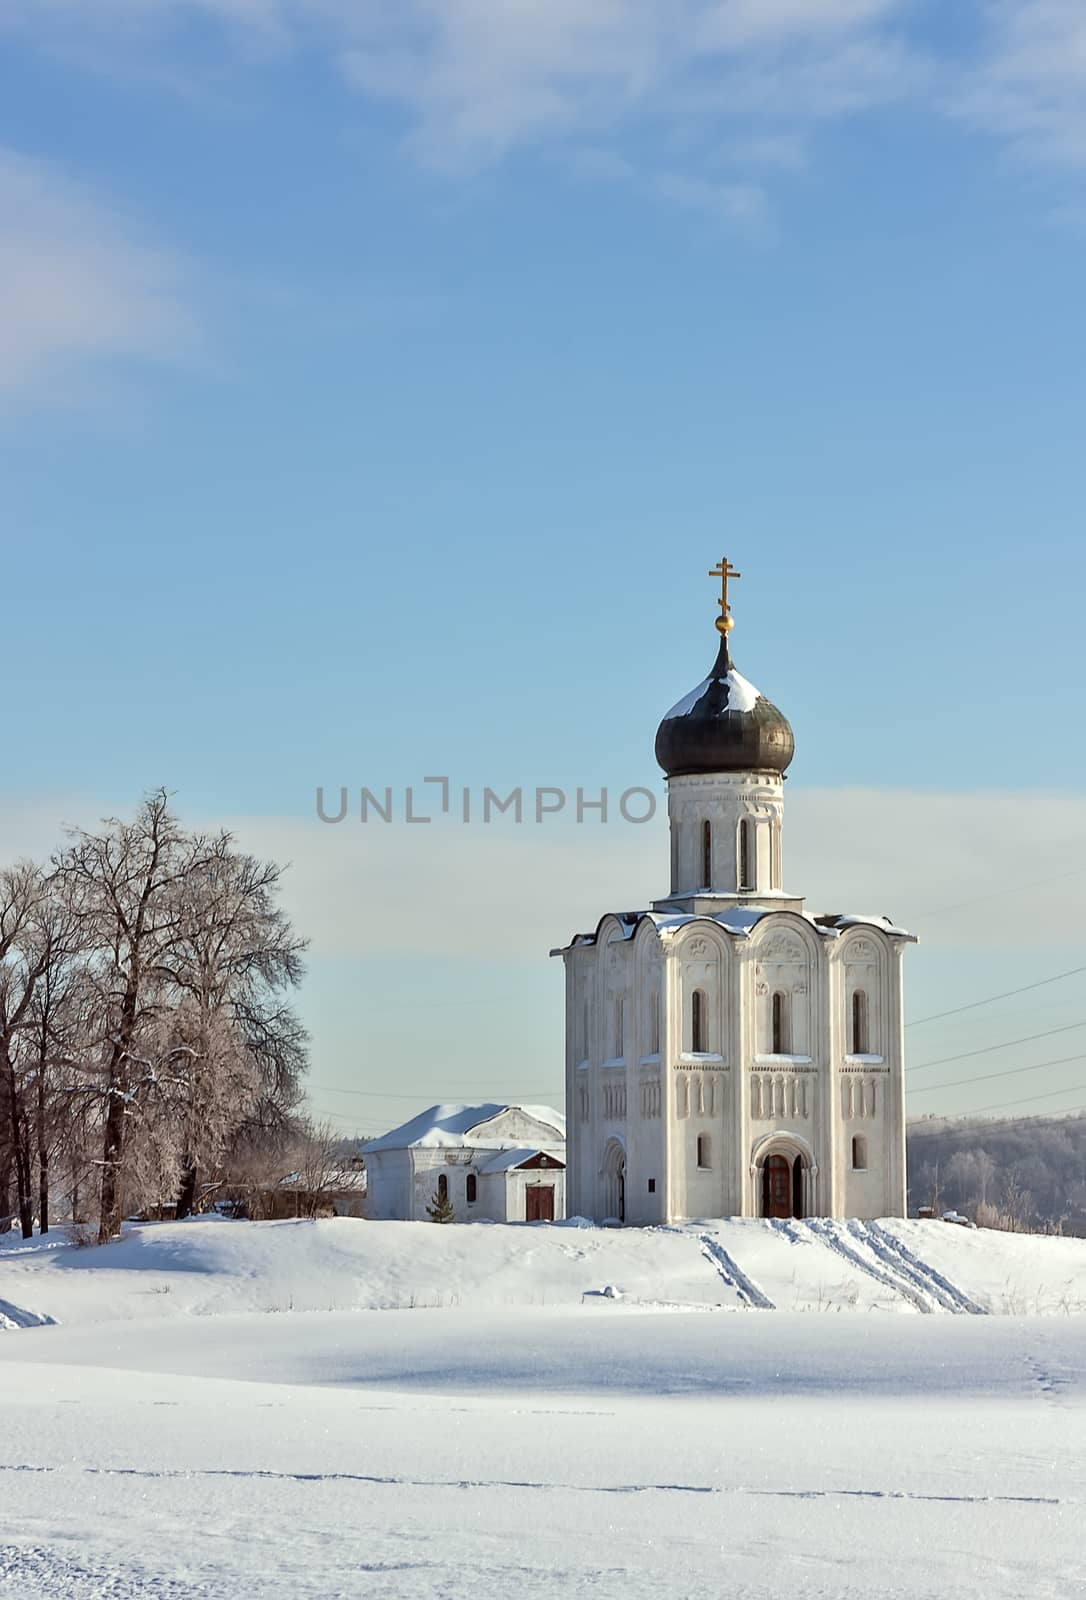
724 571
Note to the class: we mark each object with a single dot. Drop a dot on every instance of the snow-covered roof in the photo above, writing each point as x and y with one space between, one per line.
454 1125
737 920
506 1160
339 1180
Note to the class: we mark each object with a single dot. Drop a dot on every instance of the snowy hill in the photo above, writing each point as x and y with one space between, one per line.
300 1410
213 1267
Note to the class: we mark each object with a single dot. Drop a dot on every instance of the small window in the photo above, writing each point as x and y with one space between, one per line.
860 1044
746 854
704 1151
472 1188
698 1029
859 1153
620 1021
707 854
442 1187
652 1185
781 1040
654 1028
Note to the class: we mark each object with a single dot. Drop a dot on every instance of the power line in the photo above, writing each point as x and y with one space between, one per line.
1012 1072
999 894
973 1004
990 1048
1029 1099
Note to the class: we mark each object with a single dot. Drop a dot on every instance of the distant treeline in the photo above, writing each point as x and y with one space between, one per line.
1026 1173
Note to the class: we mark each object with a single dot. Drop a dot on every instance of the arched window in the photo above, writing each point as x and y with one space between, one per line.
620 1019
704 1150
746 854
698 1029
442 1186
860 1044
654 1026
781 1041
859 1153
472 1188
707 854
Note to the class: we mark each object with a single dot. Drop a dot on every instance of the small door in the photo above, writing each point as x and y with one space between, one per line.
539 1203
777 1187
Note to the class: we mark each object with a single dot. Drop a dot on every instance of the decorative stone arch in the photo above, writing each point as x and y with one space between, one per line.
703 957
864 960
613 1174
803 1167
784 955
648 966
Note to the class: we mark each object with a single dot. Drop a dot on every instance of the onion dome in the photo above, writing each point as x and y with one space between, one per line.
725 724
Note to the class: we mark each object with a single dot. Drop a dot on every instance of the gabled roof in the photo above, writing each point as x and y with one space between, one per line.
507 1160
455 1125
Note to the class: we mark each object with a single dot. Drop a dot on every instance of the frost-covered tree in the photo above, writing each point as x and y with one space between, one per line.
38 940
239 1048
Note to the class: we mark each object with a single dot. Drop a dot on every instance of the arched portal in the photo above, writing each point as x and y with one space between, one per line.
783 1172
614 1181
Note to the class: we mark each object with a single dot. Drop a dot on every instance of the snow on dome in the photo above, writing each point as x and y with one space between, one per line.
724 725
742 695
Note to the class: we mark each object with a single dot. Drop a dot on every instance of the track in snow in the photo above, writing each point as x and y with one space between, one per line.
17 1317
733 1275
890 1278
899 1257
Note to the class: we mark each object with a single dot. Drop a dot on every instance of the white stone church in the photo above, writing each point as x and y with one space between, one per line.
728 1053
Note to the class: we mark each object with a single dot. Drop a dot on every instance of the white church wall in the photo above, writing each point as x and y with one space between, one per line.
868 1105
389 1188
724 801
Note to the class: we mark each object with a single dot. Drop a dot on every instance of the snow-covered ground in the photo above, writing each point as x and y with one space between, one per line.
224 1409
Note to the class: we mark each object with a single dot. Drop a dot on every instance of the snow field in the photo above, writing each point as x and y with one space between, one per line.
342 1409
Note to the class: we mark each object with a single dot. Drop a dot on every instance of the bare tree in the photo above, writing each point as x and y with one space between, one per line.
36 939
238 1043
125 884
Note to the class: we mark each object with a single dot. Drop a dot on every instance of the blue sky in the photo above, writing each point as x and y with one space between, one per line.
377 384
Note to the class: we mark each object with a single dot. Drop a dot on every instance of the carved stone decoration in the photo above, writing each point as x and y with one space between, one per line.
650 1098
761 988
699 948
783 947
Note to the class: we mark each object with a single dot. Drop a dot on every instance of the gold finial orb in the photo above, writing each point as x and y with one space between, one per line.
724 570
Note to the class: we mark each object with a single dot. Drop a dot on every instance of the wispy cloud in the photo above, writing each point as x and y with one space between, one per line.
79 283
1029 84
476 80
746 83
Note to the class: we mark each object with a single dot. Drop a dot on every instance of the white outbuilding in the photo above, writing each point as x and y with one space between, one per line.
493 1162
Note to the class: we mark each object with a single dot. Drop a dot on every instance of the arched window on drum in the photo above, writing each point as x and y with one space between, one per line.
861 1041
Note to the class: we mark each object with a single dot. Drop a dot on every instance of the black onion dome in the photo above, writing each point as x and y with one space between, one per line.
724 725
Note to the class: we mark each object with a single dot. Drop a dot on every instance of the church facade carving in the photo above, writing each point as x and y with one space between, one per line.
727 1053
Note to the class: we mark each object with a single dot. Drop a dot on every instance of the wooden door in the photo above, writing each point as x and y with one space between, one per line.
777 1187
539 1203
